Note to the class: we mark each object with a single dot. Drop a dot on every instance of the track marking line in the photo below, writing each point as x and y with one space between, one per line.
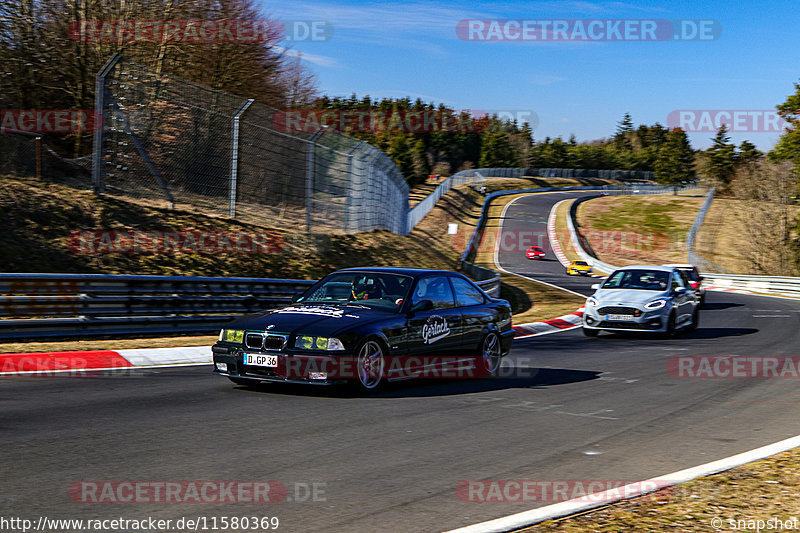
633 490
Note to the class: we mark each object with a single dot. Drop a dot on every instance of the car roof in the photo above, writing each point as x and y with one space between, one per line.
660 268
414 272
680 265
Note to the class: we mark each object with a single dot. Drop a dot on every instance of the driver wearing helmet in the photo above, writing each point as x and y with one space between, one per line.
366 290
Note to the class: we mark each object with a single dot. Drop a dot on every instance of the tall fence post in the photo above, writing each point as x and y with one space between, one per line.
38 142
99 116
310 170
348 202
235 154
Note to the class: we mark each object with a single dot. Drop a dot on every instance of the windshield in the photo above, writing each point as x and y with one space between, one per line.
648 280
581 263
371 289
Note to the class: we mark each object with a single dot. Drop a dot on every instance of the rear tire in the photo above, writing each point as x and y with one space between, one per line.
591 332
491 356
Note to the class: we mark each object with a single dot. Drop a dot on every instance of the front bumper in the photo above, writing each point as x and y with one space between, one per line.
292 367
654 321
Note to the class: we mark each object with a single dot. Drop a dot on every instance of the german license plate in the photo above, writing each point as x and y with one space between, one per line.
257 359
620 318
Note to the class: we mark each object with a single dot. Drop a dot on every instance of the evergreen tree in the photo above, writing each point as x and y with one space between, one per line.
788 146
748 154
622 138
496 150
675 162
722 158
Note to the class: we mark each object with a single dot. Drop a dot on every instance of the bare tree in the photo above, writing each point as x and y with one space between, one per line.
765 191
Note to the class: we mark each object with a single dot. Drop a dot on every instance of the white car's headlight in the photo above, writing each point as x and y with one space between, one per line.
310 342
656 304
591 300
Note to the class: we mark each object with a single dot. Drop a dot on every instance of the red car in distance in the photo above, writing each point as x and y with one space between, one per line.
534 252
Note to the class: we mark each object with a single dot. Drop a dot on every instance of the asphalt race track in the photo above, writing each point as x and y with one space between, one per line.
565 408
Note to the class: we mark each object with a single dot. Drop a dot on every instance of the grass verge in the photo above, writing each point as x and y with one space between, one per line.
39 218
761 490
631 230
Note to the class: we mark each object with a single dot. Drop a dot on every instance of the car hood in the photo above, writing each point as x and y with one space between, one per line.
627 296
323 320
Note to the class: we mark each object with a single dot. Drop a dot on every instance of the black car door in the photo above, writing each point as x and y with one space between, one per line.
434 334
475 316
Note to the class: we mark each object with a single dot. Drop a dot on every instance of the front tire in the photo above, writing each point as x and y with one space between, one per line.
591 332
670 332
695 319
370 366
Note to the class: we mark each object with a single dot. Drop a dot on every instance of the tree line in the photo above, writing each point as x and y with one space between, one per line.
48 64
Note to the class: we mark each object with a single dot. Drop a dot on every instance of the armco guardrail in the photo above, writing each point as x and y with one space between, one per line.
489 279
49 305
418 212
69 305
774 285
608 189
692 256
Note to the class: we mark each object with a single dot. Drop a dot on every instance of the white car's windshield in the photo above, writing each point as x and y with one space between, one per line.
648 280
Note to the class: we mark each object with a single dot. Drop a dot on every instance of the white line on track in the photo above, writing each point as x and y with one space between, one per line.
558 510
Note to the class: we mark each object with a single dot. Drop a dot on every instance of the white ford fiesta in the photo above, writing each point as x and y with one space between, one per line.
647 298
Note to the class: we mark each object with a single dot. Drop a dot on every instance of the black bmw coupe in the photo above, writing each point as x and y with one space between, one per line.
371 325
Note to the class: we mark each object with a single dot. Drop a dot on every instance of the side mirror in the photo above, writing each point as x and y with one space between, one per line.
595 286
422 305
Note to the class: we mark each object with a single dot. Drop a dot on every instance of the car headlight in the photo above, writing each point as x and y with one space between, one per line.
656 304
591 300
310 342
232 335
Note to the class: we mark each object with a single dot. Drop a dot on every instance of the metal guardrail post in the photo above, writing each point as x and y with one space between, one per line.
235 154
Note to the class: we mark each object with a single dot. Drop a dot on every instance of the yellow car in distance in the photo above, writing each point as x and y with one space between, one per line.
579 268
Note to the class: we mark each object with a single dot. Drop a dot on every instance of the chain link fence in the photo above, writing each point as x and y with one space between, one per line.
27 154
169 141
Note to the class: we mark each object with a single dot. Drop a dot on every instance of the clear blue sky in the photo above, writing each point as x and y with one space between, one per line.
397 49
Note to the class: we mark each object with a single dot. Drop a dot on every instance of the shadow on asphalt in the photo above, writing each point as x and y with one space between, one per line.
708 306
510 377
700 333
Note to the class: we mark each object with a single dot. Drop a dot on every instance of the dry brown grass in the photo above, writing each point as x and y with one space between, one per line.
757 491
630 230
